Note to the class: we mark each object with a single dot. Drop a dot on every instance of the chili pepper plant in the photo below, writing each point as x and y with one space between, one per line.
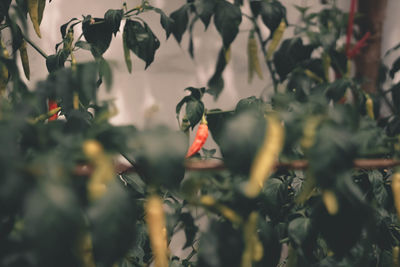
291 187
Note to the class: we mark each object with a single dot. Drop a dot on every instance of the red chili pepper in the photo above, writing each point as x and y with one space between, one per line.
52 105
351 53
350 24
200 139
357 48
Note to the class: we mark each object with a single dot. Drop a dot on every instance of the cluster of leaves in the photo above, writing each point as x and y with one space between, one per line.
329 215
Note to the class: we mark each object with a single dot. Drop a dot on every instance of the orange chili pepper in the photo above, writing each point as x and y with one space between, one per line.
52 105
200 139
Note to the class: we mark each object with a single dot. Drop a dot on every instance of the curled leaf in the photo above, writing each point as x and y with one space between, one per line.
33 9
25 59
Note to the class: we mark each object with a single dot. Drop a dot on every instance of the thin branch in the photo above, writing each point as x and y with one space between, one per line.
214 165
37 48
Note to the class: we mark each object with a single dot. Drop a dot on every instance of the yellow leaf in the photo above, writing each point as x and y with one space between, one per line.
33 9
41 6
25 59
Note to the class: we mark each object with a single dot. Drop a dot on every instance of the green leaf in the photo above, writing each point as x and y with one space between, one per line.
63 28
251 103
56 62
290 54
216 82
378 187
205 10
240 140
216 123
272 13
197 93
270 242
255 6
299 230
98 33
189 227
325 166
112 220
194 111
4 6
337 89
113 18
274 196
141 40
395 68
105 72
181 103
84 45
55 207
159 154
208 153
227 20
221 245
395 89
165 21
180 19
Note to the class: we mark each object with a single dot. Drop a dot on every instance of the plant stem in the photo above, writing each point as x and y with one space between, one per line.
267 61
37 48
219 112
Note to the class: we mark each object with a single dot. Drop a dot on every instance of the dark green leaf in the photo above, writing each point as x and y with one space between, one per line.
337 89
396 95
255 6
274 195
181 103
112 219
395 68
208 153
221 245
63 28
272 13
242 136
216 82
180 19
105 72
205 9
98 33
189 227
83 45
378 187
197 93
216 123
227 20
251 103
141 40
4 6
291 52
55 62
194 111
113 18
299 230
159 154
53 207
165 21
